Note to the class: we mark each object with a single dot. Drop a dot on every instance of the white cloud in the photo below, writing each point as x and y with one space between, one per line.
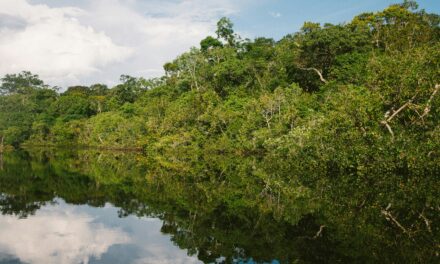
155 252
160 260
57 237
97 40
157 31
275 14
53 43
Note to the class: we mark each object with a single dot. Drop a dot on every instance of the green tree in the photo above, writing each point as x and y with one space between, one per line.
20 83
225 31
210 42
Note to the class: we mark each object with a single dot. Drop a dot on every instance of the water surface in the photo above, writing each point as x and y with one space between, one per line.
64 233
87 206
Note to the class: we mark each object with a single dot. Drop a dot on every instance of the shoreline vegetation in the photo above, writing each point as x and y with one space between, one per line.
26 146
339 123
374 79
389 58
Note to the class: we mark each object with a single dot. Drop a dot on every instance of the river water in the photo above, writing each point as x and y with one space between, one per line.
111 207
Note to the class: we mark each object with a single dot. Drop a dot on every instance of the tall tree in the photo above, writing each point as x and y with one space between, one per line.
21 83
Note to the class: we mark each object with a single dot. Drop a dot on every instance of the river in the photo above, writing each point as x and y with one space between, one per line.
90 206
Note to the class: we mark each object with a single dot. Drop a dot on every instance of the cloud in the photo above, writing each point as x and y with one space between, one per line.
52 42
275 14
156 252
11 22
160 260
69 42
157 31
57 237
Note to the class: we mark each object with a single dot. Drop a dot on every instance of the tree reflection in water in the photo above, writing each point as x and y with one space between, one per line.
228 208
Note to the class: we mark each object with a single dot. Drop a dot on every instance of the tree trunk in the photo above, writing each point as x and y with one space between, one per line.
2 143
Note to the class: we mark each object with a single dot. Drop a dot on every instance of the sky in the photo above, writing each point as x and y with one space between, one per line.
82 42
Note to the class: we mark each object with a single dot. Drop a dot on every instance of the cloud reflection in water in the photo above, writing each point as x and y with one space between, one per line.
55 236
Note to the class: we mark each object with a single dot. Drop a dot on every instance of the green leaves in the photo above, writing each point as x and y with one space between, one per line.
210 43
22 83
225 31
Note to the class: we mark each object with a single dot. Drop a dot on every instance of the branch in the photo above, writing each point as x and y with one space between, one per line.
385 123
399 110
100 139
428 226
388 118
2 143
193 75
319 233
317 71
389 217
428 104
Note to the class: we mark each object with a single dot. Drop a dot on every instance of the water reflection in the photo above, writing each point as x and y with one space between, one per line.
57 234
107 207
62 233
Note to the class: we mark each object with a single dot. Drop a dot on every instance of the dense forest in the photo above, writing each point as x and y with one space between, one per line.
341 122
339 96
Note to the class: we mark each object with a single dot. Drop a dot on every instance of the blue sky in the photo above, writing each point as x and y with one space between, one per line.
276 18
70 42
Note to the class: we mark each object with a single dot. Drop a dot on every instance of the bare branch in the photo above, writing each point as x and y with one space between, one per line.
401 108
317 71
390 217
388 118
398 111
319 233
385 123
2 143
426 222
100 139
428 103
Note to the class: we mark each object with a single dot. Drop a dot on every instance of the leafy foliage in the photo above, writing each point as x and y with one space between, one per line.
350 107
